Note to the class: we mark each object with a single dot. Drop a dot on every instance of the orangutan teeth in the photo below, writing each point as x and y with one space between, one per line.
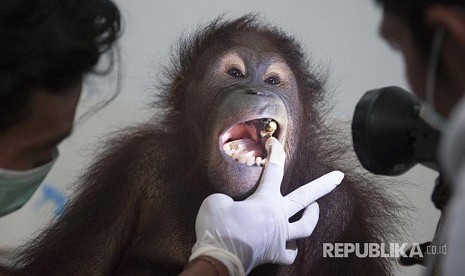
245 142
242 158
246 158
250 160
269 127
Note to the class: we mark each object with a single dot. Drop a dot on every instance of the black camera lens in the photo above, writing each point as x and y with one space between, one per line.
388 135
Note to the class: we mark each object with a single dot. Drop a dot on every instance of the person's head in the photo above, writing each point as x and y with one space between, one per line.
410 26
46 48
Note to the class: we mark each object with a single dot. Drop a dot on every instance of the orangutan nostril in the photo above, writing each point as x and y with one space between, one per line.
254 92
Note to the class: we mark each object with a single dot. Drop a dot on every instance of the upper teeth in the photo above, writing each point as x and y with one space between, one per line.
269 128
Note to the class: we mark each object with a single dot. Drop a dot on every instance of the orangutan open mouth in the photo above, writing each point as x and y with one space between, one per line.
245 142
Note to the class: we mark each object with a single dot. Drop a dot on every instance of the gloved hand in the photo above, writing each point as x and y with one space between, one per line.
245 234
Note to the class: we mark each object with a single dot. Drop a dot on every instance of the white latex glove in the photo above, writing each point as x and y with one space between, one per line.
245 234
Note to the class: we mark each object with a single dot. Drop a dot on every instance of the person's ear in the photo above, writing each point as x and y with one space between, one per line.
449 18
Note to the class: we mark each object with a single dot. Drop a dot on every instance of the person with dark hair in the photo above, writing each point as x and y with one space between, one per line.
46 49
430 34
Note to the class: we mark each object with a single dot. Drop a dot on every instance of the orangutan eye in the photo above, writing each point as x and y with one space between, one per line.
235 73
273 80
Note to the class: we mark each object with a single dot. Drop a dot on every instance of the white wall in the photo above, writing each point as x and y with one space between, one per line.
341 34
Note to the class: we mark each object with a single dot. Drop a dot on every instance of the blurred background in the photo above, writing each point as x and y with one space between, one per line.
340 36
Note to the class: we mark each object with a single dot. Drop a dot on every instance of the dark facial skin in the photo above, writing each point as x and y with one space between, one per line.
246 82
32 142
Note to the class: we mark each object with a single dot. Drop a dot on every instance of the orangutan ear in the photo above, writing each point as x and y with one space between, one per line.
449 18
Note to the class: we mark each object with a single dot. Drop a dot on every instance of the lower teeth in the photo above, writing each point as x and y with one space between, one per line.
249 160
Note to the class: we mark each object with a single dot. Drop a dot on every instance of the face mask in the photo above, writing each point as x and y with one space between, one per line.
428 112
17 187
